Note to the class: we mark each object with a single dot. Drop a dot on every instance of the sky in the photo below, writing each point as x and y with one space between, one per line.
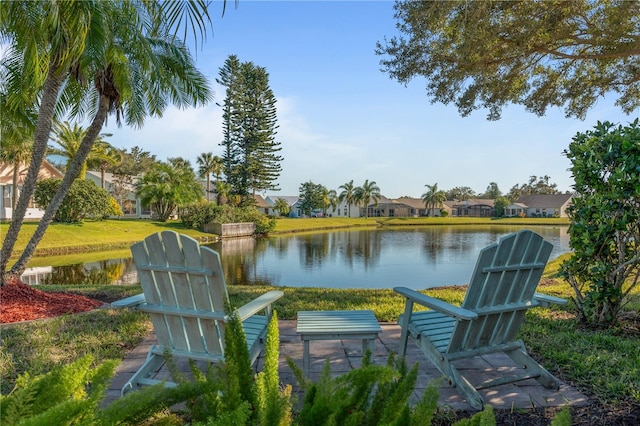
341 118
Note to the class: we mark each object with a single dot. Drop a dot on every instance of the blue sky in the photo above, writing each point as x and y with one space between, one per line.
340 118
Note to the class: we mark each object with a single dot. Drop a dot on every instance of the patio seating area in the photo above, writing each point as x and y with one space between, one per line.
347 354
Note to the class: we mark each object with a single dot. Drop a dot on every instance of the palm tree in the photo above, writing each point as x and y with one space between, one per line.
348 194
209 164
104 156
166 187
223 190
39 54
69 139
329 199
433 198
367 192
16 153
281 206
135 64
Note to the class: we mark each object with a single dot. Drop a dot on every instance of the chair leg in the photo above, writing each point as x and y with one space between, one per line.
152 363
404 327
466 389
544 377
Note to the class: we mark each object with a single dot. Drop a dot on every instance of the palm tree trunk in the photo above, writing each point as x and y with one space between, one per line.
50 90
14 184
73 171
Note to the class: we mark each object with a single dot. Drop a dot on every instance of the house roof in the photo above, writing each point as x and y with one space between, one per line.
544 200
47 170
260 202
110 178
416 203
290 199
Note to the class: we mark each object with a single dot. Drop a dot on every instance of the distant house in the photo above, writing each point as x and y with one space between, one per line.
547 205
47 170
261 204
474 207
122 189
403 207
344 209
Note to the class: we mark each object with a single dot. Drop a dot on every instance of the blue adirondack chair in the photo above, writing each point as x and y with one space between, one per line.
185 294
502 288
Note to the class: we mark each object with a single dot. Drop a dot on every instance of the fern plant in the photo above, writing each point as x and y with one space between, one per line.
274 405
370 395
69 394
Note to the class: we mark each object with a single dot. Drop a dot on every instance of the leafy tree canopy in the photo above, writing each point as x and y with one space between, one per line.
535 186
460 193
134 163
312 196
540 54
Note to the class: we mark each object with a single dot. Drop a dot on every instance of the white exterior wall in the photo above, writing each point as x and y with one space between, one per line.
342 210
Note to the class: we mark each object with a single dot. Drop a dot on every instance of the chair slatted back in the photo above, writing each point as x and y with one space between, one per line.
501 289
185 293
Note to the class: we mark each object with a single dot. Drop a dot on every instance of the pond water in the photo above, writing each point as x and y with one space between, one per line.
416 257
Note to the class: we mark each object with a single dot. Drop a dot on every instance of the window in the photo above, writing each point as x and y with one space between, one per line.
6 195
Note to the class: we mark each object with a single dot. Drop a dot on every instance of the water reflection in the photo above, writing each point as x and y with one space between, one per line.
382 258
103 272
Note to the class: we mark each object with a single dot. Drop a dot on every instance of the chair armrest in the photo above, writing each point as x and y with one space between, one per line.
129 302
546 300
436 305
258 304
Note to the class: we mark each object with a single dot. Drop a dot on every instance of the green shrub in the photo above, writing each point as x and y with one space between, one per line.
114 208
85 200
605 221
196 215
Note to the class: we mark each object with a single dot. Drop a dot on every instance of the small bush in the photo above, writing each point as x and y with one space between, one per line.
85 200
195 216
114 208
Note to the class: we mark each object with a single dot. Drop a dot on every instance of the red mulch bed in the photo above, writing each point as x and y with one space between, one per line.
21 302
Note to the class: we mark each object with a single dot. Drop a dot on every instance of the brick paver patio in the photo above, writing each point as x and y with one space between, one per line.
347 354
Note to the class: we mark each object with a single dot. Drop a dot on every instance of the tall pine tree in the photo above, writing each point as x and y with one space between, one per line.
251 160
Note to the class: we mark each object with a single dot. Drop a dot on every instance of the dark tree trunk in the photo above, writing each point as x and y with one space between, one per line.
50 90
73 171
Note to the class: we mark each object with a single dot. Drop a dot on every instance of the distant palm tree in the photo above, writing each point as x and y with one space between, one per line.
330 199
282 207
367 192
209 164
69 139
348 194
167 186
223 190
17 153
104 156
433 198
